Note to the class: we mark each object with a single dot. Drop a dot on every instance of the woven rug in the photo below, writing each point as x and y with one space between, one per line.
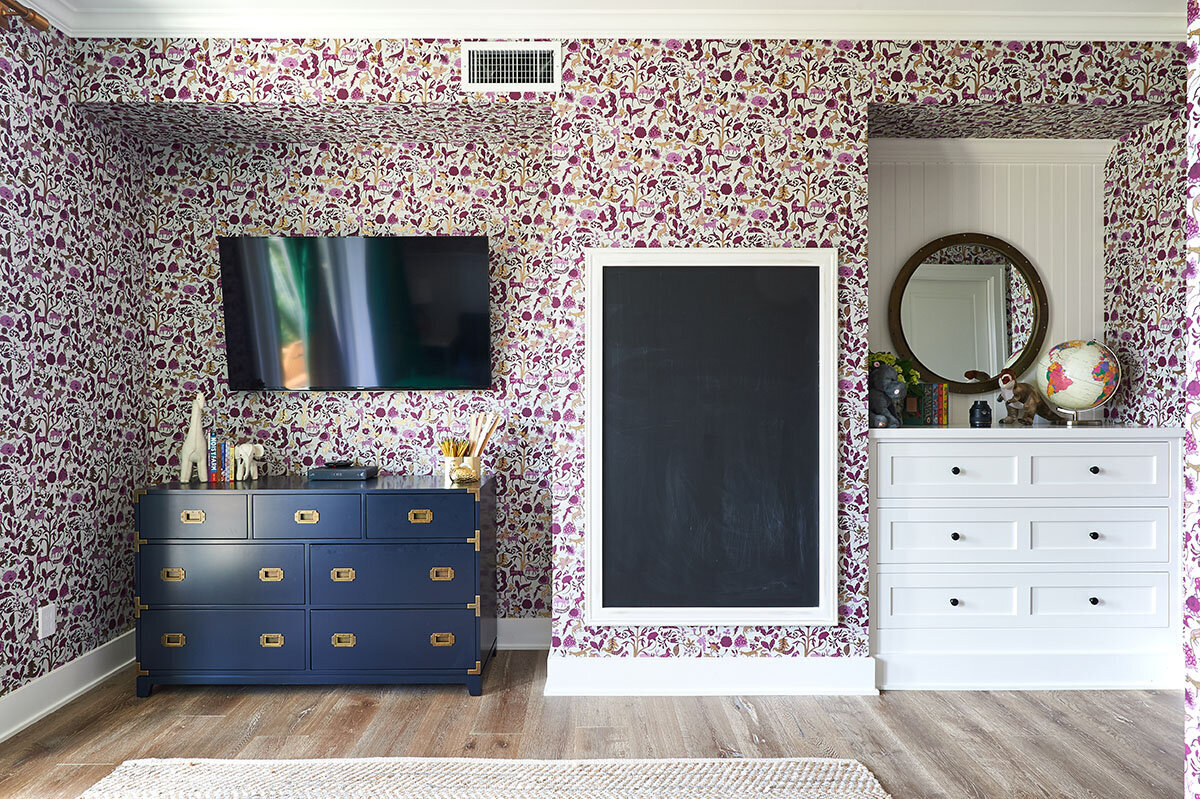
477 778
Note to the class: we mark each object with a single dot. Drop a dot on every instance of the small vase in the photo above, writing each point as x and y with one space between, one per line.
981 414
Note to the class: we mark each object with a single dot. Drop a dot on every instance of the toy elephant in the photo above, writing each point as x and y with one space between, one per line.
247 456
885 390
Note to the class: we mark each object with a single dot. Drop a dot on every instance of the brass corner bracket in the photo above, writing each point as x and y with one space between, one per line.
11 8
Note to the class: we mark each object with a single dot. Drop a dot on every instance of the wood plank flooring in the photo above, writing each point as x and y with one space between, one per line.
1007 745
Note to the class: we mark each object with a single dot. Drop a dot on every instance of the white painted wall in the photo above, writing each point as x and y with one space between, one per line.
1044 196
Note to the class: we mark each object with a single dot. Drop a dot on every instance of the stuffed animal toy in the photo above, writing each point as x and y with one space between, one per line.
195 445
1022 400
885 390
247 456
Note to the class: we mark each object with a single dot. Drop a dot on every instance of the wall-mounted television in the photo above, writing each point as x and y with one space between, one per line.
356 312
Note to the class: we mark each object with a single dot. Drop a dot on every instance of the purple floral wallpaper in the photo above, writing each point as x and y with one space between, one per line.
1190 564
1144 272
651 143
199 192
1008 120
71 354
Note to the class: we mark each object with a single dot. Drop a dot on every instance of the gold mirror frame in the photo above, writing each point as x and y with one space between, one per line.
1041 308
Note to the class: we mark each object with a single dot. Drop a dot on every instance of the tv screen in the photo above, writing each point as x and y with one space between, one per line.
355 312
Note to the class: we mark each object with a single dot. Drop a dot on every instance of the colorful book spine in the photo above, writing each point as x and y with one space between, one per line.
212 456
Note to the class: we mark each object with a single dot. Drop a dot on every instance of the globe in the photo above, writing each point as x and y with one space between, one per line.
1078 375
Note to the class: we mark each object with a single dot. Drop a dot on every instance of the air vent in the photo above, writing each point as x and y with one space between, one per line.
511 66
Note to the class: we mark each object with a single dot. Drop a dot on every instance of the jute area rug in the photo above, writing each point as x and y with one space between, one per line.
477 778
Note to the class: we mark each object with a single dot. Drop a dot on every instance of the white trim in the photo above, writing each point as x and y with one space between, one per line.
527 633
39 698
469 87
825 260
882 150
1021 21
1029 671
715 676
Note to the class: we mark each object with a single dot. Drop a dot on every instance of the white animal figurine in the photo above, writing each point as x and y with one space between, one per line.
195 445
247 465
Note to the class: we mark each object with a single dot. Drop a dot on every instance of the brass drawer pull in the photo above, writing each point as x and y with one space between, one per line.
342 575
441 639
270 575
307 516
192 517
344 639
271 640
420 515
441 574
172 575
173 639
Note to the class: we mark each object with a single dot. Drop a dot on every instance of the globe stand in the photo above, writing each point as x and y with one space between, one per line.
1073 419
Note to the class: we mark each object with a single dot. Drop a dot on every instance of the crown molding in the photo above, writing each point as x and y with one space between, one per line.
220 18
988 151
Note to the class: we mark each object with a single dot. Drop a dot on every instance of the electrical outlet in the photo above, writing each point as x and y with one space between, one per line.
47 620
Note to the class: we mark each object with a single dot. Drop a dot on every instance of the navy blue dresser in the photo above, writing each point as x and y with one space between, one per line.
284 581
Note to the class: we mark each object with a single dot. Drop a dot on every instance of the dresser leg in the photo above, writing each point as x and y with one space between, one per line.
475 686
143 687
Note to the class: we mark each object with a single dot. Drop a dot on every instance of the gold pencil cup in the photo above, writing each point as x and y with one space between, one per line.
462 469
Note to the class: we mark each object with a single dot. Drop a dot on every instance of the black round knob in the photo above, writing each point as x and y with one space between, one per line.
1095 600
1094 535
1094 470
955 470
955 536
954 602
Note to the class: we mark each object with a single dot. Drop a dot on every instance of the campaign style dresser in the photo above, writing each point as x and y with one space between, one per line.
1028 558
285 581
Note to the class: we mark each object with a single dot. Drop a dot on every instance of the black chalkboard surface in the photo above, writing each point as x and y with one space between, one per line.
710 436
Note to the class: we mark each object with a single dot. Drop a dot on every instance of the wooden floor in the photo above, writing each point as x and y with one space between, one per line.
1060 745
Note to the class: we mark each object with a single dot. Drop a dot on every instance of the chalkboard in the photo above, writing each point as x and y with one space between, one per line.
711 434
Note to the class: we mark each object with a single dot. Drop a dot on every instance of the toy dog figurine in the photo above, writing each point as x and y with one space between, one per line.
1022 400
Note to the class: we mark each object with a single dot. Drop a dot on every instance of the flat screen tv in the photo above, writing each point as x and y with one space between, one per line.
355 312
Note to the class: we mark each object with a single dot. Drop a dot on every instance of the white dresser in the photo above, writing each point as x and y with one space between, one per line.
1041 557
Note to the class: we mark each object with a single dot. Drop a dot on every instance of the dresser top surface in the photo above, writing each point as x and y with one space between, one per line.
1022 433
389 483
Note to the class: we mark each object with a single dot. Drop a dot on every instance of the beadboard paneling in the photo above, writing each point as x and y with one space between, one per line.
1043 196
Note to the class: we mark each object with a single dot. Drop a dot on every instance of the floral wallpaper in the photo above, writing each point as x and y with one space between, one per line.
1008 120
199 192
1144 272
650 143
1190 562
71 349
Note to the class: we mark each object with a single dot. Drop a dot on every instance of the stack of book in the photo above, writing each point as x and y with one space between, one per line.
933 407
220 460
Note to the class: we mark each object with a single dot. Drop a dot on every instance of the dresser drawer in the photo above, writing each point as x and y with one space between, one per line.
393 574
1045 600
393 639
195 514
304 515
1101 600
441 515
956 470
1127 468
221 640
221 574
1101 535
949 535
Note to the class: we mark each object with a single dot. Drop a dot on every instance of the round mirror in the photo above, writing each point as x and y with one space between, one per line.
968 303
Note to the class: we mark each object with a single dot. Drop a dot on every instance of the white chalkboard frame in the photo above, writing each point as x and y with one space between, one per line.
595 611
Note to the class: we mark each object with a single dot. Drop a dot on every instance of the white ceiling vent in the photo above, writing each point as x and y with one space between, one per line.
511 66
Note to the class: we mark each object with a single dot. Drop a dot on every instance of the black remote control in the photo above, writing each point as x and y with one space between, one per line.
338 464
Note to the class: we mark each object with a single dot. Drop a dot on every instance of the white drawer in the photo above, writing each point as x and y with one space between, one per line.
1060 600
1101 535
1013 469
1026 534
1126 468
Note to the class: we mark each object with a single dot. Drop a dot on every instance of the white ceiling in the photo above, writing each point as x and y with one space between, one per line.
775 19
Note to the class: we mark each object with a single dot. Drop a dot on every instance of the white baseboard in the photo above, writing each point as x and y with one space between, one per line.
1021 671
715 676
41 697
523 633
